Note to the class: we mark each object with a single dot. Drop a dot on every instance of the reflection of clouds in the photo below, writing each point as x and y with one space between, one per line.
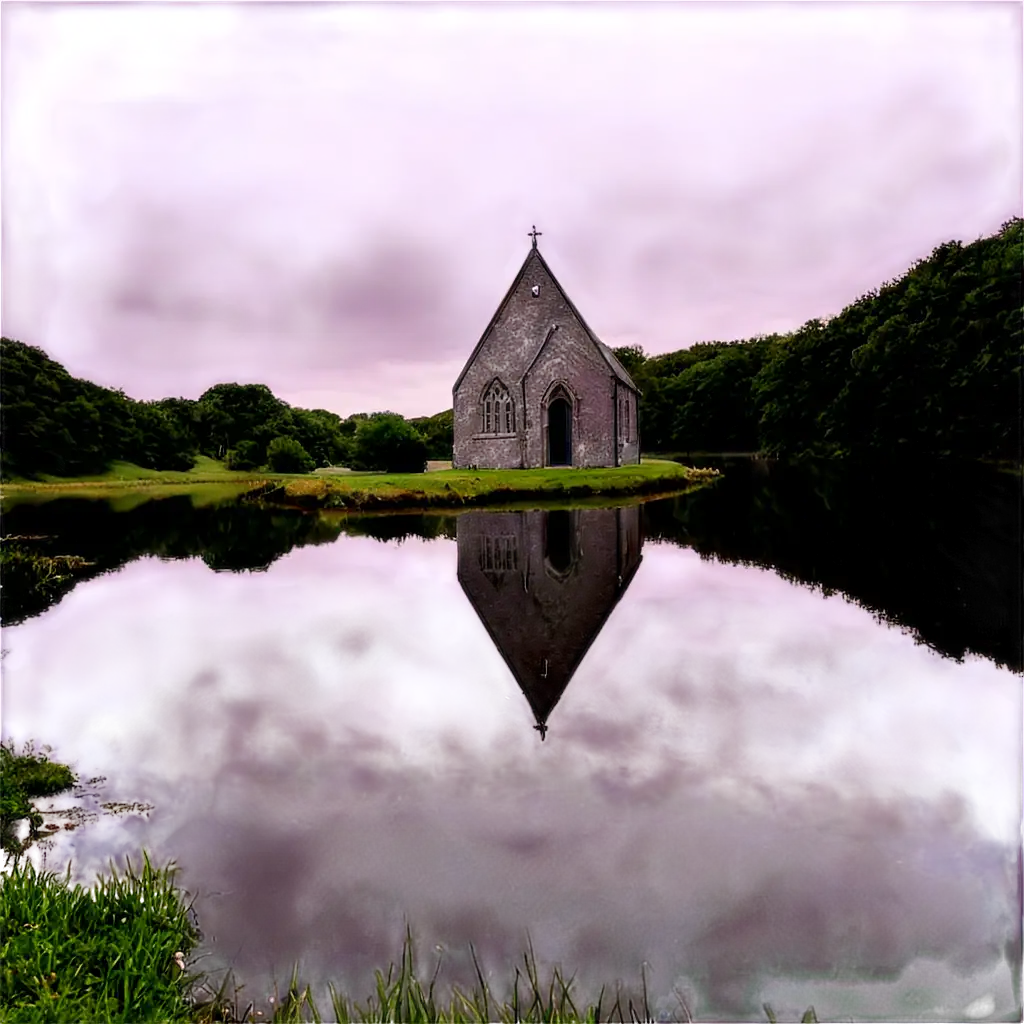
746 782
701 659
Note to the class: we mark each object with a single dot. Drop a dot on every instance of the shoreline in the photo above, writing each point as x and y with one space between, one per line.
453 489
380 492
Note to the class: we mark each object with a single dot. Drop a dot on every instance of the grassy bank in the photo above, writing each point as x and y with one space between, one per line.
119 950
209 481
459 488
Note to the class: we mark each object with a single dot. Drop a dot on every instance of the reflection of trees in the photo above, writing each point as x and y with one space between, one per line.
51 547
399 527
234 537
933 547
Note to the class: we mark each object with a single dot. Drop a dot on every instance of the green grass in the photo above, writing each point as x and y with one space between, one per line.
127 485
453 488
126 476
111 952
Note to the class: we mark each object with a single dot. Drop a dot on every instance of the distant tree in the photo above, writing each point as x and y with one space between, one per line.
438 431
245 455
928 364
385 441
58 424
632 358
286 455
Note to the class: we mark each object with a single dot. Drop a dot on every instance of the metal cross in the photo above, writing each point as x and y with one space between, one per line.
533 234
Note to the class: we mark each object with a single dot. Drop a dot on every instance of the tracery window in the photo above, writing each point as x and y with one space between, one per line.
499 554
498 415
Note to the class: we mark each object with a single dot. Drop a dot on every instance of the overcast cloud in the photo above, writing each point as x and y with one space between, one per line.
332 199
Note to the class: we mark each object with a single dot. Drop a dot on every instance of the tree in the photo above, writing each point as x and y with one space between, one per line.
632 358
55 423
387 442
438 431
286 455
245 455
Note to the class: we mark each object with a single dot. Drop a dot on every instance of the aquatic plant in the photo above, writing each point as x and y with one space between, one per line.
27 776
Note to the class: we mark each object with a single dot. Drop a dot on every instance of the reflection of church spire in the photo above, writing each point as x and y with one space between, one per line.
540 600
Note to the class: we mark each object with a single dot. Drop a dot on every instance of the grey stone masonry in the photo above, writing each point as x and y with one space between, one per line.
540 388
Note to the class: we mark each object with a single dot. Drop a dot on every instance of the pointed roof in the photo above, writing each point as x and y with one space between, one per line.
616 368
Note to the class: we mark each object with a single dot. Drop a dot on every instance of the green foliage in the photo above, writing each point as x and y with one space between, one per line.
55 423
403 993
632 358
236 537
387 442
29 775
286 455
25 777
58 425
438 431
39 578
928 364
245 455
112 952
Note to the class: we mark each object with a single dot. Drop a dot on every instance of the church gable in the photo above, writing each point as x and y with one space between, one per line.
536 337
520 325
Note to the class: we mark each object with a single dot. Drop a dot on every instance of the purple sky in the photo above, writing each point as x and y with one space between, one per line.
332 199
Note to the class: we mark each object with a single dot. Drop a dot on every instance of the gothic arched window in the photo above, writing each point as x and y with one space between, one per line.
498 415
499 554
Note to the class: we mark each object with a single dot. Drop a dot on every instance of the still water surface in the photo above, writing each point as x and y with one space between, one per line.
723 736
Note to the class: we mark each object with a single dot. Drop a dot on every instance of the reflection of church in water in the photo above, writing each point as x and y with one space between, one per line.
543 584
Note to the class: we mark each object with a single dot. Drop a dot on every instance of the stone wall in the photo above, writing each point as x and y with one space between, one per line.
521 349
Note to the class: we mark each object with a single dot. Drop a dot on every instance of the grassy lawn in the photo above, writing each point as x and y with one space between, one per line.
453 488
210 481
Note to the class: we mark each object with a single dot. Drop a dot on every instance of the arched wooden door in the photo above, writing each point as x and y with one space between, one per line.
559 432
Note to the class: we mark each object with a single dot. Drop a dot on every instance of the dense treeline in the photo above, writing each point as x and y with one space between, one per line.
54 423
927 364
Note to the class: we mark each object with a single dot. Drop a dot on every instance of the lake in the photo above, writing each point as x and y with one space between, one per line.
761 742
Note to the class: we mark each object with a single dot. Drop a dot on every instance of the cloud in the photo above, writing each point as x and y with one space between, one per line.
304 194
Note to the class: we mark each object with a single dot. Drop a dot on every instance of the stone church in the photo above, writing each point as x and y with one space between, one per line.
540 388
544 584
